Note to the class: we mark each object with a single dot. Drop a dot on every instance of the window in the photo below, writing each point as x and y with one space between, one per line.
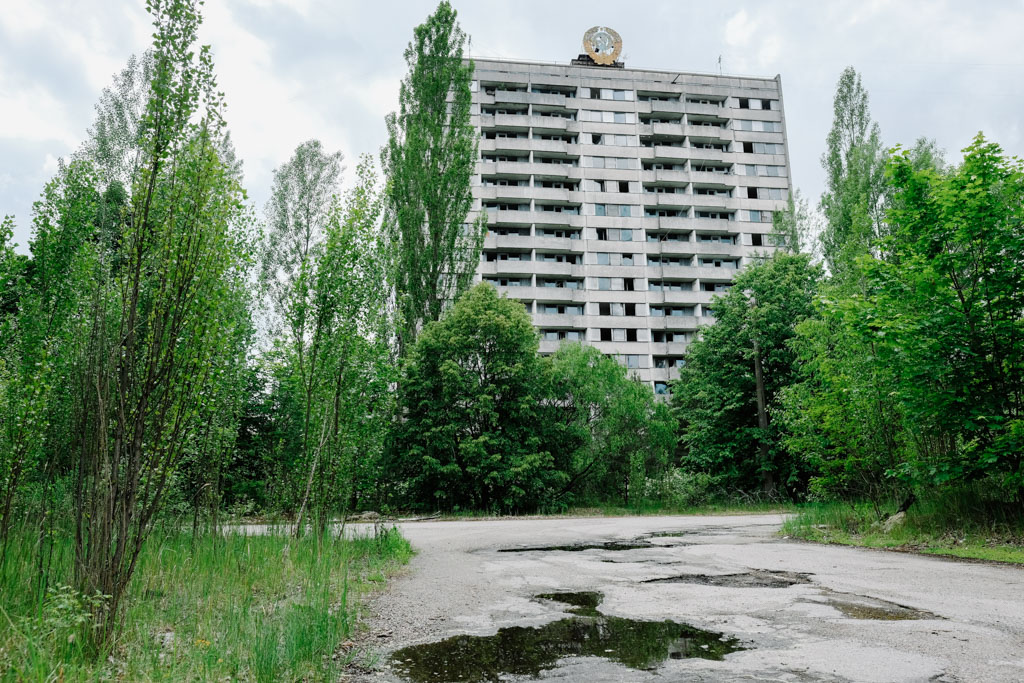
631 360
563 234
717 263
604 283
763 148
669 337
490 256
607 94
758 126
503 206
607 116
559 283
560 309
716 215
713 191
602 258
719 239
669 286
607 139
509 282
661 388
624 163
621 210
559 208
759 216
763 170
617 309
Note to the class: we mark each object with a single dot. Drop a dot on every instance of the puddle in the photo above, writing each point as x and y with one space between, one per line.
880 610
577 547
755 578
526 651
583 603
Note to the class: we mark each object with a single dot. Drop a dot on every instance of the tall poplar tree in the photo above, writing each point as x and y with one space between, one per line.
854 164
428 161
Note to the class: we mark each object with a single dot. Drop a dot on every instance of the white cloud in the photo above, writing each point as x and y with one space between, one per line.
739 29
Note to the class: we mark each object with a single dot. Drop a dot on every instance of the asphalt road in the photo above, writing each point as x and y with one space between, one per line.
802 612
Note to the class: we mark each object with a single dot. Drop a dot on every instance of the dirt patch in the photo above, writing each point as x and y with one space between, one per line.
579 547
755 578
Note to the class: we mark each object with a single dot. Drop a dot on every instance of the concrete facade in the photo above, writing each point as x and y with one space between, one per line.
620 201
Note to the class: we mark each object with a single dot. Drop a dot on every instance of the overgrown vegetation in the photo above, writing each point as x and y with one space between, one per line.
260 607
167 359
894 381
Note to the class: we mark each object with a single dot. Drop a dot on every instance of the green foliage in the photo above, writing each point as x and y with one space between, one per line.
948 308
715 397
324 267
429 161
209 607
962 521
854 165
608 431
470 406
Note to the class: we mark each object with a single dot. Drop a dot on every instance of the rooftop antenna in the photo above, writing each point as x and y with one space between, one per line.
719 65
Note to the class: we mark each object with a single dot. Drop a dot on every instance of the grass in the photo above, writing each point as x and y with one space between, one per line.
960 523
232 607
605 509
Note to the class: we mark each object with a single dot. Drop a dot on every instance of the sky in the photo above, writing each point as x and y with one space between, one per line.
293 70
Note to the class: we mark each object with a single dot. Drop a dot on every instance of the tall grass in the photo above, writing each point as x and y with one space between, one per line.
210 607
967 521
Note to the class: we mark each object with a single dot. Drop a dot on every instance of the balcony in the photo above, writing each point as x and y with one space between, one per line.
550 268
506 145
514 268
517 122
559 321
508 242
503 192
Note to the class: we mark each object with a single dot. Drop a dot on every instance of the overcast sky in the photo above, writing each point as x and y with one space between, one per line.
329 69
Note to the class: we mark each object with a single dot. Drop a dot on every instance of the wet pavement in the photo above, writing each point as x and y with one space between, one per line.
686 599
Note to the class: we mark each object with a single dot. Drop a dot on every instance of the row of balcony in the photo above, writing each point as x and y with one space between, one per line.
555 124
568 245
573 220
528 268
663 199
645 107
525 169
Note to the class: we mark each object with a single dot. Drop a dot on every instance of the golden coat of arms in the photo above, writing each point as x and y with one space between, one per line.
602 44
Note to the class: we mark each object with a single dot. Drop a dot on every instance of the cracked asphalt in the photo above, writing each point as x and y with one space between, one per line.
805 612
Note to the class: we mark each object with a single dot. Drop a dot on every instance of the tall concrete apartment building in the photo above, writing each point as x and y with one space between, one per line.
620 200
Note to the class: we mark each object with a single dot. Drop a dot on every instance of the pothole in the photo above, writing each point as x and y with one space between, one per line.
526 651
578 547
754 578
583 603
883 610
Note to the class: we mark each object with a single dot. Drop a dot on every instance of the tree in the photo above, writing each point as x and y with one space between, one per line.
157 317
854 166
303 198
469 400
607 431
351 328
716 398
947 309
429 161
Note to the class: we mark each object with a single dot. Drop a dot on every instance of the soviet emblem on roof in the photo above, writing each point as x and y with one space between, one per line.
602 44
